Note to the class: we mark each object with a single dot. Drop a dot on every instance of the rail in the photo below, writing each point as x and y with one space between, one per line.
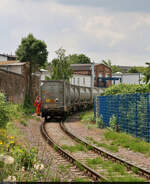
128 165
88 171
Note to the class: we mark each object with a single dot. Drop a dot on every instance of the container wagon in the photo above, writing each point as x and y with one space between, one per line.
59 98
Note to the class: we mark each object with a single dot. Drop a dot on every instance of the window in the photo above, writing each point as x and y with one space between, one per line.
84 81
100 74
78 81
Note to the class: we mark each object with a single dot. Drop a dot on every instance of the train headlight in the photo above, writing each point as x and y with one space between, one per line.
56 99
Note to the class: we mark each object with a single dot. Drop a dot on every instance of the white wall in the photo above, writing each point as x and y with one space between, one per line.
44 74
129 78
81 80
3 58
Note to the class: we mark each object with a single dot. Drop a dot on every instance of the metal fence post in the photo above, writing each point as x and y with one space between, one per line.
127 99
118 110
148 118
136 117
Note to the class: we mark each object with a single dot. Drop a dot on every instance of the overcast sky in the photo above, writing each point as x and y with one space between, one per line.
118 30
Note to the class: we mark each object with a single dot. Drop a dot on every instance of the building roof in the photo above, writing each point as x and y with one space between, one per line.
80 67
7 55
84 67
125 68
8 63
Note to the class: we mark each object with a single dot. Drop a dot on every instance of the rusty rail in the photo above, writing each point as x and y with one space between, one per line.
128 165
88 171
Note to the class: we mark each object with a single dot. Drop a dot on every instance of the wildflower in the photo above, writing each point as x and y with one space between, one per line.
38 166
1 142
10 179
8 159
11 142
11 137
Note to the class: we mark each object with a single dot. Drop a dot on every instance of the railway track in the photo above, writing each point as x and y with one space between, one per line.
106 155
79 159
85 171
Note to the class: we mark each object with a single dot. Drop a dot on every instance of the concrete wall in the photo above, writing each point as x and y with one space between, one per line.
13 85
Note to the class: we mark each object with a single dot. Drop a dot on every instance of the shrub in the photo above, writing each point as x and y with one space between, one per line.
113 122
99 122
4 111
127 88
24 158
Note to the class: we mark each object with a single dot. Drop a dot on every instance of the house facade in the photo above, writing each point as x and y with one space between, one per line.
82 75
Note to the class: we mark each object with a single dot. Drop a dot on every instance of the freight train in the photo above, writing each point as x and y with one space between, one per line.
59 98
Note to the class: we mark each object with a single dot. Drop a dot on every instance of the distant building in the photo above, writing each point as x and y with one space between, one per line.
125 69
128 78
13 66
6 57
82 75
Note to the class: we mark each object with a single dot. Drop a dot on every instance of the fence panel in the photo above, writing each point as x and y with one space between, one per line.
132 112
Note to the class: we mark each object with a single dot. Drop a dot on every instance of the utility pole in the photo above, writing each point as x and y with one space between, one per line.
92 78
92 74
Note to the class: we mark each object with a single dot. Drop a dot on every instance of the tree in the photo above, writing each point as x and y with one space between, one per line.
107 63
78 59
33 51
60 66
146 73
133 69
116 69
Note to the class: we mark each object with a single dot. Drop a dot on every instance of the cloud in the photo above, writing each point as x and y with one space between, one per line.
121 35
114 5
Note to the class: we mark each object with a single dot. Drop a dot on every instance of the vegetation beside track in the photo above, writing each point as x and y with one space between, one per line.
18 162
113 140
119 170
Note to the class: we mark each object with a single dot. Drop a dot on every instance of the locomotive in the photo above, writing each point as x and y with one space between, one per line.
59 98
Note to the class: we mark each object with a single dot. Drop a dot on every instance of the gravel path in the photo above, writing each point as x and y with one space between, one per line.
59 167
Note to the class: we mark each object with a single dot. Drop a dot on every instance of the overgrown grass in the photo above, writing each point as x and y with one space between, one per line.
110 147
77 147
113 171
64 168
87 117
127 141
81 180
23 122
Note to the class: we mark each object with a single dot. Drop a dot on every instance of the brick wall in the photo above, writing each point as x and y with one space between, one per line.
13 85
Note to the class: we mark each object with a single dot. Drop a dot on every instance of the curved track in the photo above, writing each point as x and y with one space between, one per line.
140 171
85 170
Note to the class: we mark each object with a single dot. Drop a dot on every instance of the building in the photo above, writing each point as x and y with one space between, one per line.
6 57
13 66
82 75
128 78
125 69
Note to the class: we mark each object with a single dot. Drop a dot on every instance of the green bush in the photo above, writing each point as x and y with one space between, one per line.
99 122
28 107
127 88
24 158
113 122
4 111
